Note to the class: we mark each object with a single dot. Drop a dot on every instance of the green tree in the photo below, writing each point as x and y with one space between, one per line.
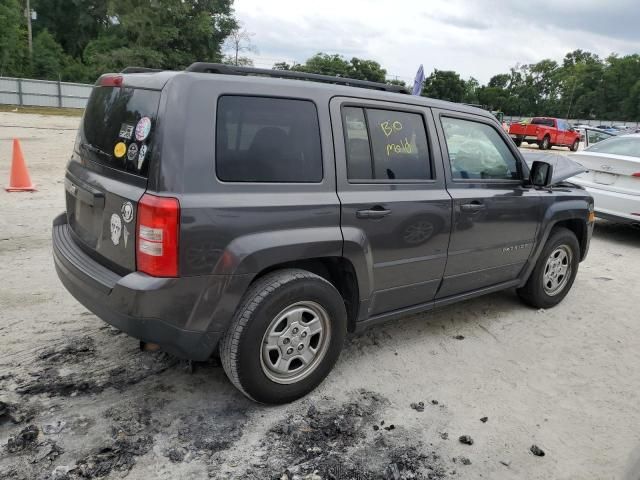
632 103
471 87
367 70
14 55
324 64
169 34
73 23
49 60
444 85
336 65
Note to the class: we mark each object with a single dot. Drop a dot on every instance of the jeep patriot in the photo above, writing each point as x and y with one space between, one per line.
261 215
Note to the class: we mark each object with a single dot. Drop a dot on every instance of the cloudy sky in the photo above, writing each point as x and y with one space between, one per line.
476 38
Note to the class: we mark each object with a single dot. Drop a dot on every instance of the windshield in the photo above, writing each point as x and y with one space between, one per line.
629 146
118 125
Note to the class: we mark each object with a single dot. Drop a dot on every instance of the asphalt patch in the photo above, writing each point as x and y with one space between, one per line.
89 373
119 456
25 439
537 451
79 347
16 413
340 441
207 432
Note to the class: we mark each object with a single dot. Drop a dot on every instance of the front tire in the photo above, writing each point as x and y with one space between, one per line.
285 337
555 270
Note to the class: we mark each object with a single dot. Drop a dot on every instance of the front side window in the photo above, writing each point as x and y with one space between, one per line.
385 145
265 139
476 151
629 146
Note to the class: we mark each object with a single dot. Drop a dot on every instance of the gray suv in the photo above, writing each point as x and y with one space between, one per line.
261 215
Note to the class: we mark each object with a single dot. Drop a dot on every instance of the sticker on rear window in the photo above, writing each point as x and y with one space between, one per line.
143 128
126 131
143 153
120 149
132 152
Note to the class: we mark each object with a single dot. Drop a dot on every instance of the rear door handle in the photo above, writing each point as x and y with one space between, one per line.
374 212
473 207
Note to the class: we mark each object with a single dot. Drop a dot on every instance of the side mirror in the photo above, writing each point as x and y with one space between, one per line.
541 173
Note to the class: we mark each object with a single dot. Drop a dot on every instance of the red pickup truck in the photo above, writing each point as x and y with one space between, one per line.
546 132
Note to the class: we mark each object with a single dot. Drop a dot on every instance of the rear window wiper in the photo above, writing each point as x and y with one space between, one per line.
94 149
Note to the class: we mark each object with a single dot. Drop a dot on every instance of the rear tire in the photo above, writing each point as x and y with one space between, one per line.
285 337
545 144
575 145
552 276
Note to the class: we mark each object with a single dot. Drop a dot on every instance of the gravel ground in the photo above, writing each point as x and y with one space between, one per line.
79 400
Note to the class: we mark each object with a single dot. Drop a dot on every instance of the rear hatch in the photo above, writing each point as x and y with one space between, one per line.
108 171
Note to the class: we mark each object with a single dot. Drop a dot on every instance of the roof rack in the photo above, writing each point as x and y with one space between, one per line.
219 68
140 70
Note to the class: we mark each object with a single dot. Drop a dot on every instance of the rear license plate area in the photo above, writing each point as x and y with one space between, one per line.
604 178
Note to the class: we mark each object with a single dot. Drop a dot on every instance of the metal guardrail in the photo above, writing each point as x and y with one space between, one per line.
43 93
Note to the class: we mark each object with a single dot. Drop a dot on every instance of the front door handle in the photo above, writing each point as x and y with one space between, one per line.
374 212
473 207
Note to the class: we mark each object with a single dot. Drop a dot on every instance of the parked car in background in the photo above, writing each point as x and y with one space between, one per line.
609 129
590 135
546 132
613 177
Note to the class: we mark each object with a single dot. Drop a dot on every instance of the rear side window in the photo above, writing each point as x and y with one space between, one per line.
118 126
264 139
385 145
476 151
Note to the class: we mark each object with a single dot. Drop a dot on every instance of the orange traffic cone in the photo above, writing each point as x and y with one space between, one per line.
20 180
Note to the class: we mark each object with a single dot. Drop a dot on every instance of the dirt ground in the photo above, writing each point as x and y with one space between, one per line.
79 400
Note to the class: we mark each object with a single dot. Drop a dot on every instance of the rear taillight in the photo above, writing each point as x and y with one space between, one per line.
157 236
637 174
110 81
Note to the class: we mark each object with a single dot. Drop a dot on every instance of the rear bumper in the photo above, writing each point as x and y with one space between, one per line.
612 205
524 138
151 309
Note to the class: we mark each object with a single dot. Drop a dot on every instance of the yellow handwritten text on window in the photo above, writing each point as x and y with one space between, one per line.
389 127
403 147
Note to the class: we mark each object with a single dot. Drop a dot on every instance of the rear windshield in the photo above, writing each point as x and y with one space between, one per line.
118 127
543 121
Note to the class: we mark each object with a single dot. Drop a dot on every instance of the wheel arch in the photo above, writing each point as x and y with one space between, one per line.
569 214
338 271
579 228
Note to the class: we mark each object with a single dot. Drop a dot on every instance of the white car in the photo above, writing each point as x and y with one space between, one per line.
613 177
